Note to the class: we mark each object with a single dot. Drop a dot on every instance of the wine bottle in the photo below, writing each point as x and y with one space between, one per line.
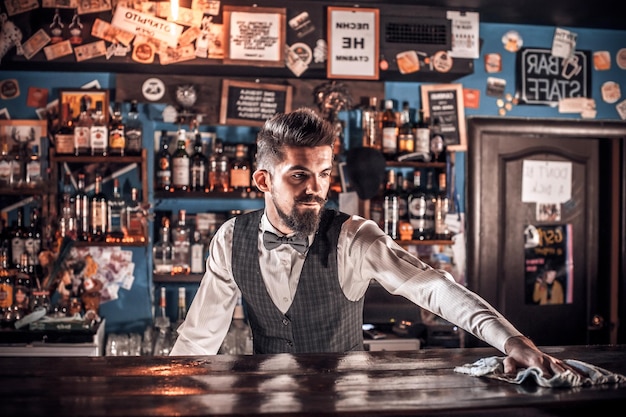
163 165
391 206
180 163
389 129
98 212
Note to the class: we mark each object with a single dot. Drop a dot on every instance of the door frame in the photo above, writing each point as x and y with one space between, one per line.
612 176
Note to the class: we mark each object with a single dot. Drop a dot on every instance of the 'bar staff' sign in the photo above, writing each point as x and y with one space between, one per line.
546 79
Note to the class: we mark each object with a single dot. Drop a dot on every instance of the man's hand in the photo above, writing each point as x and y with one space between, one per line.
522 353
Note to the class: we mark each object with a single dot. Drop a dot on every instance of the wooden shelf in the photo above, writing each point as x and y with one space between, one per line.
133 244
182 279
86 159
416 164
233 195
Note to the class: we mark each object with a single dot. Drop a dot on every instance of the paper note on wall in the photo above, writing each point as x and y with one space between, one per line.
546 181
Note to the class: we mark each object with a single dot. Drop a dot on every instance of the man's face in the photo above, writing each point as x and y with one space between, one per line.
298 189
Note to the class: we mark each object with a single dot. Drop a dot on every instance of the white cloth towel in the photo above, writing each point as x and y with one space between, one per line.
493 367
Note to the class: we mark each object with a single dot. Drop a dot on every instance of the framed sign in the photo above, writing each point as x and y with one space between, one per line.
23 133
73 97
353 43
444 102
251 104
542 78
254 36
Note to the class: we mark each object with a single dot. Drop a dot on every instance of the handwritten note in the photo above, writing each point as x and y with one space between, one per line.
546 181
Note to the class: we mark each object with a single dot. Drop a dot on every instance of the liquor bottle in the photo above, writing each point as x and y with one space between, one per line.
431 198
422 139
442 207
81 201
22 289
116 214
33 241
162 250
180 163
82 128
117 132
18 239
134 130
240 172
370 119
163 342
135 220
219 174
67 209
391 206
163 169
99 132
17 167
197 253
406 139
437 143
98 205
5 166
6 282
199 166
64 137
238 340
181 314
417 208
403 194
33 168
181 242
389 129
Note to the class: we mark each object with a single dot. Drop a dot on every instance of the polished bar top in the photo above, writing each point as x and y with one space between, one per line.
408 383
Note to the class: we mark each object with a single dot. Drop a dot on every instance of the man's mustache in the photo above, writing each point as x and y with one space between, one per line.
311 199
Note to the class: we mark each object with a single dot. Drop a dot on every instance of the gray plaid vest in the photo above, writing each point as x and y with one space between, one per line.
321 318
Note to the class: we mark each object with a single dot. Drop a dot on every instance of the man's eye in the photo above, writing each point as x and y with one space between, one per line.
325 174
299 176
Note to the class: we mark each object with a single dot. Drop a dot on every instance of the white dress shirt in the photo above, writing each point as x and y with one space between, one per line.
364 252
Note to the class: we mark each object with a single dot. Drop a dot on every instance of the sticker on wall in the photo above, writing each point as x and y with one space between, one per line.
9 89
37 97
495 87
471 98
512 41
442 61
294 61
408 62
302 24
563 43
611 92
4 114
303 51
493 63
153 89
602 60
320 51
621 109
620 58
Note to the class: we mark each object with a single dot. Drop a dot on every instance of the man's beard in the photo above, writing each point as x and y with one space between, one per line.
302 222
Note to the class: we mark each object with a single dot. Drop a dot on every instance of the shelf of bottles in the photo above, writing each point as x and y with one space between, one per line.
181 279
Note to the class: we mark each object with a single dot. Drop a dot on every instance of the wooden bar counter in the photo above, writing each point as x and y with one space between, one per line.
353 384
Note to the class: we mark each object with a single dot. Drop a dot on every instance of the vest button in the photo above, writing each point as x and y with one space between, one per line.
285 322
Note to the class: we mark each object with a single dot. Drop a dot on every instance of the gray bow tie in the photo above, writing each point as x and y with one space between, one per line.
272 241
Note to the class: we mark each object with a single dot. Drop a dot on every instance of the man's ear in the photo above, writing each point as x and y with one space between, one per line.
262 180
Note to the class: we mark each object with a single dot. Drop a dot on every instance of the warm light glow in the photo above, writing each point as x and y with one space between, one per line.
174 9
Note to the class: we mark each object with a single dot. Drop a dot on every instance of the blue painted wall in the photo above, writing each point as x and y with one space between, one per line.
133 310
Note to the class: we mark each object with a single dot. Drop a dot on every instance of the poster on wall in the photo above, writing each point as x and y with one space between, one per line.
549 266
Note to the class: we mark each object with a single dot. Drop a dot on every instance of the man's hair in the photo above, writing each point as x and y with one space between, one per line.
300 128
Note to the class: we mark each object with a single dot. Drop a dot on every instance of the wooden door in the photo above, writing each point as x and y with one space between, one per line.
501 224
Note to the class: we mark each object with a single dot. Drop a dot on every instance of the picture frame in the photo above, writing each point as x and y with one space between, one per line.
73 97
445 102
353 43
240 102
24 132
263 45
346 185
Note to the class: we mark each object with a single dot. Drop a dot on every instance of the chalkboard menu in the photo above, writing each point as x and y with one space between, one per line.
443 104
251 104
542 78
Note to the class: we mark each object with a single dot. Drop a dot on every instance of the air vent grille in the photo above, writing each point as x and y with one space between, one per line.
416 33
